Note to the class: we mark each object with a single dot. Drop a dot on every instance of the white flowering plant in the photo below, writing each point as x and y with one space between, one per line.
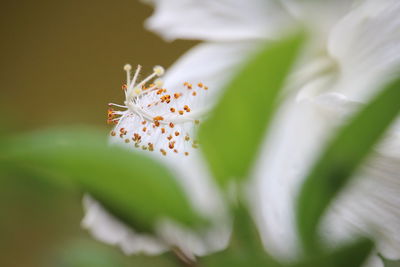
144 194
274 142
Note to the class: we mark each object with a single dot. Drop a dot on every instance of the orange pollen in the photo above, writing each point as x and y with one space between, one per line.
194 94
163 130
176 151
136 137
171 125
151 147
176 95
186 153
124 87
163 152
113 133
205 87
169 137
200 85
176 133
187 138
171 145
180 112
158 118
144 129
172 109
143 122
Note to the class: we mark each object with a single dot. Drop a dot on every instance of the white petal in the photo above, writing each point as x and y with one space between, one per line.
371 205
290 148
365 45
325 13
218 20
213 64
106 228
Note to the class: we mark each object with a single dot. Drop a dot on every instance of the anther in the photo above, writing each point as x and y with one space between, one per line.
158 70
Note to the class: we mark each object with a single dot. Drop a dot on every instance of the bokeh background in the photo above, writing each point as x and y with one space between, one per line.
61 63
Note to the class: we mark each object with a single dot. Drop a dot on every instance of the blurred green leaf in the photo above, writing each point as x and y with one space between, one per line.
245 247
354 254
133 187
341 158
89 253
390 263
232 135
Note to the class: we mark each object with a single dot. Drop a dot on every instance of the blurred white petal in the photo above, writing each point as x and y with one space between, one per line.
211 63
326 13
365 45
224 20
106 228
370 205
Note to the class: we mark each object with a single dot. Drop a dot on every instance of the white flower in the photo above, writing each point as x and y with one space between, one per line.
353 50
162 122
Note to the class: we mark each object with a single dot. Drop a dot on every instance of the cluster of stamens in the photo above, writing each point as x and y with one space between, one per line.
157 119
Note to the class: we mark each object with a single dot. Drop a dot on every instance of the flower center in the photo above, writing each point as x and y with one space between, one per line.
153 118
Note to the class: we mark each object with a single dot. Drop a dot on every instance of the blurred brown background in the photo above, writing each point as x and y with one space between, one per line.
61 63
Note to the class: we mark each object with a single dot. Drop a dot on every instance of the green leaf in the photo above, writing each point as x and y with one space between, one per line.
89 253
354 254
133 187
245 247
231 137
390 263
341 158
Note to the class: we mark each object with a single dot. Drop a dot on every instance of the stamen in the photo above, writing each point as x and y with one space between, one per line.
128 68
162 118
